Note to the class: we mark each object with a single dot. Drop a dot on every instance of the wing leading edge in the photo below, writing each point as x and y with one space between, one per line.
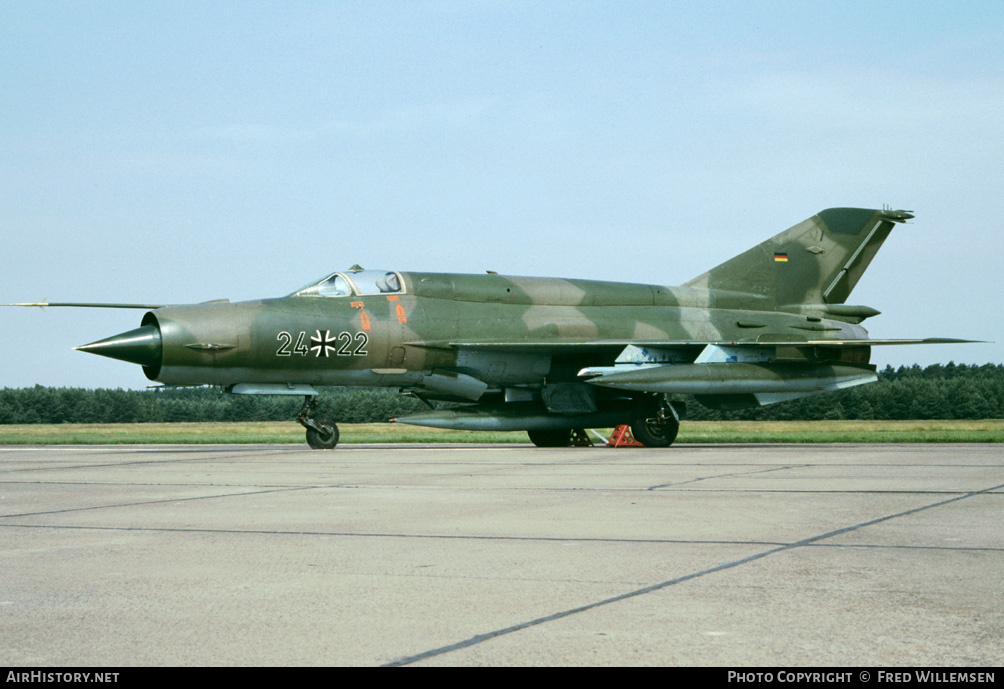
587 345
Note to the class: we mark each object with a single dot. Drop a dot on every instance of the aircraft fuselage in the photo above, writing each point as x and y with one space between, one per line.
392 340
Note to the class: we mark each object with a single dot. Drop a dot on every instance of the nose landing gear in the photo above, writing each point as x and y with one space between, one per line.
322 434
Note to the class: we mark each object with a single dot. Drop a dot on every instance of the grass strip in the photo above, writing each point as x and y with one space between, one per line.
936 431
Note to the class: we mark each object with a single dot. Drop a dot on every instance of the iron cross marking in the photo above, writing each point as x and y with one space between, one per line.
324 343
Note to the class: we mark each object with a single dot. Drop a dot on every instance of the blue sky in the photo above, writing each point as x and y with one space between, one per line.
186 151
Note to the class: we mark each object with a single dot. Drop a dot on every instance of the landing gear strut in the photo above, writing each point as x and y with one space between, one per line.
322 434
656 423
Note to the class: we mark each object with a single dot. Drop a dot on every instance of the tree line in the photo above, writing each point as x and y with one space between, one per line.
950 391
939 391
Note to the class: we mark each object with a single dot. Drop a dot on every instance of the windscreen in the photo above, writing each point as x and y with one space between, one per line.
358 283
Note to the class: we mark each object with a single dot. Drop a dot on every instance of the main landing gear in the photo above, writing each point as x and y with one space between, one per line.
322 434
655 423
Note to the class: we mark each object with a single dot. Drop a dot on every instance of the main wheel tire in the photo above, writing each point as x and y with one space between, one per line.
318 441
559 438
652 431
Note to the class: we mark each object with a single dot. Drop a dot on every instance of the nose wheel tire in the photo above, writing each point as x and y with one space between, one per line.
324 439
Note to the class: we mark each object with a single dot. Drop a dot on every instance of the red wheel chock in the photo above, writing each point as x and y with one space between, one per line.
621 437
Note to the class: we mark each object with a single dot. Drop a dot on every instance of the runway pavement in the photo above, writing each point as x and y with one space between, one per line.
735 555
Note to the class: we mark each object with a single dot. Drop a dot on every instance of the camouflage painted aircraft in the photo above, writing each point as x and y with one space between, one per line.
544 355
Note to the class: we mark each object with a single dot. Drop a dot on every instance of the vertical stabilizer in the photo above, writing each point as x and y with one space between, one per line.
818 261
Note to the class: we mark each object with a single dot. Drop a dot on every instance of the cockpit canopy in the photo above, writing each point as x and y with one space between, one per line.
358 283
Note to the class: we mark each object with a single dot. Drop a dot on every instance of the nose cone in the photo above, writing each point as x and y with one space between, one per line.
140 346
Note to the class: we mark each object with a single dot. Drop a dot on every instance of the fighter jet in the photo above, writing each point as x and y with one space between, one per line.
544 355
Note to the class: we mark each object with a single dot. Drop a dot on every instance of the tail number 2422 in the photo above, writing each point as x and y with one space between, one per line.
322 344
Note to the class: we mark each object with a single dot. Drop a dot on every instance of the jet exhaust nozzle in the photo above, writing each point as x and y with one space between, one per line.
141 346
